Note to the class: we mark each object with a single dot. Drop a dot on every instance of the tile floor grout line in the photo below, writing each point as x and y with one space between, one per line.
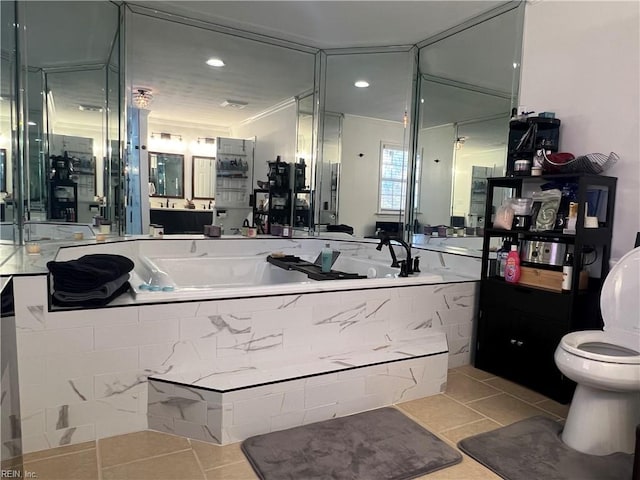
230 464
531 404
465 425
55 456
475 399
476 411
195 454
471 376
147 458
98 460
527 403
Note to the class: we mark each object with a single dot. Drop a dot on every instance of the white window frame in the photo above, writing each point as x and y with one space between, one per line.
403 181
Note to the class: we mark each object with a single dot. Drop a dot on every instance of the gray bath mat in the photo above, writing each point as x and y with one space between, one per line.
532 448
376 445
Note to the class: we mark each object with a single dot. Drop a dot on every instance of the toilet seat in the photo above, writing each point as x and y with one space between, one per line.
572 343
619 341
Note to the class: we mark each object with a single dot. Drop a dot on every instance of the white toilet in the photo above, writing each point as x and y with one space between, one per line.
606 366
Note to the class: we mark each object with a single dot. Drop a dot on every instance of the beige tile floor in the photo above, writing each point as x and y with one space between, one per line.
474 402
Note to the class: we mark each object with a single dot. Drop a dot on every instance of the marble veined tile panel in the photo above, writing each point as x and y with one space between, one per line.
209 377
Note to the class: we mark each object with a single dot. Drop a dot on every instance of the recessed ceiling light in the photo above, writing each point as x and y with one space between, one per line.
422 100
361 84
33 124
215 62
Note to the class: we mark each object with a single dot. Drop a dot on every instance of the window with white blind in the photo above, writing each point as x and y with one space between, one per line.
392 190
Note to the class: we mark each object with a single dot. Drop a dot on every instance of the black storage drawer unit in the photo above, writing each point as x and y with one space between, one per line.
498 293
520 327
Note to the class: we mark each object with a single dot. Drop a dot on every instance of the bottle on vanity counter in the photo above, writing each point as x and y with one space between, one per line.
327 258
567 273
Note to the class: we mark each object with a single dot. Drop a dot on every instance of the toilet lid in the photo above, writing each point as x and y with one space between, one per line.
620 297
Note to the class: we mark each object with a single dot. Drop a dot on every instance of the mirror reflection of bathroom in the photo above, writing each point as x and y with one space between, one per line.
468 86
463 79
365 158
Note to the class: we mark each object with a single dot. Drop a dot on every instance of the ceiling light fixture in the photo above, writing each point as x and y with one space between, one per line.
166 136
90 108
234 104
142 97
215 62
459 143
361 84
33 124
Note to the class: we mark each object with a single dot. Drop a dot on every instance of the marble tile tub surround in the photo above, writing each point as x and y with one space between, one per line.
233 416
83 373
11 446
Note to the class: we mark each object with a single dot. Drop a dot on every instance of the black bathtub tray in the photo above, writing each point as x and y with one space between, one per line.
313 271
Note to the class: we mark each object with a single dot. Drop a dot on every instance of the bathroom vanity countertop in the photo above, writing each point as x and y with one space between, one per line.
22 263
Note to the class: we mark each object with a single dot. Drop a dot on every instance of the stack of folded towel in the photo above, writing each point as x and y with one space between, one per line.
91 280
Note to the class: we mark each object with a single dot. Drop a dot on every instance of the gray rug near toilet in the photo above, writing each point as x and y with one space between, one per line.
376 445
533 449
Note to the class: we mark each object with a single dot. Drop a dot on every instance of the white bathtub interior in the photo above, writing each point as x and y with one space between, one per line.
159 278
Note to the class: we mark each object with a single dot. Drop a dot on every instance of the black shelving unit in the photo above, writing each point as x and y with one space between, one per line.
280 203
519 327
277 210
63 200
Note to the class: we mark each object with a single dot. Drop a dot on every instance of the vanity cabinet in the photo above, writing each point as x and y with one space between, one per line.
520 326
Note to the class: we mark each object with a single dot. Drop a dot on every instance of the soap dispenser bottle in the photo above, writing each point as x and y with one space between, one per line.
512 266
327 257
501 257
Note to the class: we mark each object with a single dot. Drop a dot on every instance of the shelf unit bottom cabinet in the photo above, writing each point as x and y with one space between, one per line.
519 329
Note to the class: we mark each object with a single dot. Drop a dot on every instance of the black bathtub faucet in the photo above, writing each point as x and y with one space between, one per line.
407 268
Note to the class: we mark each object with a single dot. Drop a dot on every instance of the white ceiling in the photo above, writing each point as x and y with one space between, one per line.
334 24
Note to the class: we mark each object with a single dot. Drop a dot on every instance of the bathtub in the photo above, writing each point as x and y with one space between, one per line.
167 278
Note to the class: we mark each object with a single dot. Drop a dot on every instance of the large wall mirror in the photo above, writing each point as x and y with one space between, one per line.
365 142
249 103
166 175
468 85
67 50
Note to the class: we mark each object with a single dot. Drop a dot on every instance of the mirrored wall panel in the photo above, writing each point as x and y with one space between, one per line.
365 145
8 124
65 49
468 85
166 175
200 84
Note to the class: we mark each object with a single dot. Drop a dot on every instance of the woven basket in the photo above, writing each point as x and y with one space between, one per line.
595 163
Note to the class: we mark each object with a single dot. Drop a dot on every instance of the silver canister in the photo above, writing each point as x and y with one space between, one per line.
543 253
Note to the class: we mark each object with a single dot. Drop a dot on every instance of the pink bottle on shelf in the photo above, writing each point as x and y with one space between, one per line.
512 267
